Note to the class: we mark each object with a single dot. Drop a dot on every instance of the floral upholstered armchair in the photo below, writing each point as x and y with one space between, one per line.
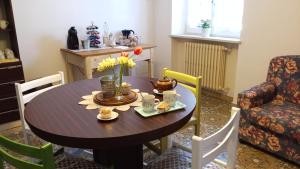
270 112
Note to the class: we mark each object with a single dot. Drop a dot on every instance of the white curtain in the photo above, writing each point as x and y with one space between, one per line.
226 16
198 10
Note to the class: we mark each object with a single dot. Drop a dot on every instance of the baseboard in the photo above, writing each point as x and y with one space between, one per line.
10 125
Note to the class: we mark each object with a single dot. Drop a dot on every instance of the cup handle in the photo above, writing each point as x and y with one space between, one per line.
156 101
174 84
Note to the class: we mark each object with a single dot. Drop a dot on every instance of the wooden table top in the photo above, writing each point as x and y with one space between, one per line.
97 52
56 117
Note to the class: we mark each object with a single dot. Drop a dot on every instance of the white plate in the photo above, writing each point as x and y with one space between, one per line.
114 115
157 92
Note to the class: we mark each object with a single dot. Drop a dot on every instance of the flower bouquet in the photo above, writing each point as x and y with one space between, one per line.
124 61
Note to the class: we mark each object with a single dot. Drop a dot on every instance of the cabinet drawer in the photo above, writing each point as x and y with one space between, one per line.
9 116
8 89
11 73
8 104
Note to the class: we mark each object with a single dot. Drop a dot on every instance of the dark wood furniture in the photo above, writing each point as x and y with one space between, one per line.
56 117
9 72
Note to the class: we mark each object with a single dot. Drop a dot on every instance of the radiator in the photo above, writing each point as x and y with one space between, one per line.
208 61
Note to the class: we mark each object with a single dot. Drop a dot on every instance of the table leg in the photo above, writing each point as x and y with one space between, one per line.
69 70
149 68
127 157
150 64
88 71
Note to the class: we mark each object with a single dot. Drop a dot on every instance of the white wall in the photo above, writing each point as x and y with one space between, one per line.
162 29
42 27
270 28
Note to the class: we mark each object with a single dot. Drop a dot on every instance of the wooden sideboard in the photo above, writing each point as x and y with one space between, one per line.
88 59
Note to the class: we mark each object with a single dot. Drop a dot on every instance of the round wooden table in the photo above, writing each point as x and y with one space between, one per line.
57 117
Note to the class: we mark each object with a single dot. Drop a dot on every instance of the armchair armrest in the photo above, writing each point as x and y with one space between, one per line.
257 95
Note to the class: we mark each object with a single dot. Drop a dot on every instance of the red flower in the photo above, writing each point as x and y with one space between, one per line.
125 54
138 50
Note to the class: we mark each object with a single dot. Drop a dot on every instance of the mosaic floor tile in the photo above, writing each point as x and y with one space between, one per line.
215 113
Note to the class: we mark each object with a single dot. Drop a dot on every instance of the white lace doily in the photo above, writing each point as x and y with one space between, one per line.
91 105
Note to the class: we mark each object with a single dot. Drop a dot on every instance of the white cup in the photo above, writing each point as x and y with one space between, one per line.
149 102
3 24
170 97
85 44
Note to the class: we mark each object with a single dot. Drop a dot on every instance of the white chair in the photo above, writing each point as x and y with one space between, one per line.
204 150
55 80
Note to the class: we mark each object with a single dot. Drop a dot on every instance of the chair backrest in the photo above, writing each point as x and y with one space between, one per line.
284 72
205 150
195 86
55 80
43 153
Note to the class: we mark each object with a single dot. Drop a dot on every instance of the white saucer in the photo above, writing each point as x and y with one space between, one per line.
157 92
114 115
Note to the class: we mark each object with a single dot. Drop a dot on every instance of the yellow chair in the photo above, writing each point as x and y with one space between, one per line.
194 84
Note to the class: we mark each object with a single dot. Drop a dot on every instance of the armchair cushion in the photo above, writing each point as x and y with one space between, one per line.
284 72
280 117
257 95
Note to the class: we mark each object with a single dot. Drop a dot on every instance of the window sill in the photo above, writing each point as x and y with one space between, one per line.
214 39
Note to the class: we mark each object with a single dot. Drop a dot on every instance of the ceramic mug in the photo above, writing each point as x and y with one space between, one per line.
149 102
170 97
3 24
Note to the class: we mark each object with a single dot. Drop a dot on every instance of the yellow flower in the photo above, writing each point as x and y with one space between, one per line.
107 63
123 60
131 63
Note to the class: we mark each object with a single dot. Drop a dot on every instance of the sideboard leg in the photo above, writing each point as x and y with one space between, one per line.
88 70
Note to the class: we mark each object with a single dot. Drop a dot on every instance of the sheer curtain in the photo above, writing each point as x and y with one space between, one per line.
198 10
226 16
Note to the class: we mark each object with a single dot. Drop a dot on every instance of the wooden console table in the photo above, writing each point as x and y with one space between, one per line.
88 59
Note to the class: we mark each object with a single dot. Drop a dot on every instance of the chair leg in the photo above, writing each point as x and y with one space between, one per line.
197 129
182 147
231 150
1 164
165 143
26 137
153 148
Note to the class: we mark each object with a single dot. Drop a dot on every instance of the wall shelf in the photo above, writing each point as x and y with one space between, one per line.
6 30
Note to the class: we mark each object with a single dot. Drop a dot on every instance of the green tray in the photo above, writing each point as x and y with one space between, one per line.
178 105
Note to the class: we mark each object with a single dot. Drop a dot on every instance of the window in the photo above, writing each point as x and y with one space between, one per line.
225 16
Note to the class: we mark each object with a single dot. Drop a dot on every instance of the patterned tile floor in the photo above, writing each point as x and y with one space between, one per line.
216 113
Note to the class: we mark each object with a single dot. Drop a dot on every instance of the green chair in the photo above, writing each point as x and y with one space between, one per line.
43 154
